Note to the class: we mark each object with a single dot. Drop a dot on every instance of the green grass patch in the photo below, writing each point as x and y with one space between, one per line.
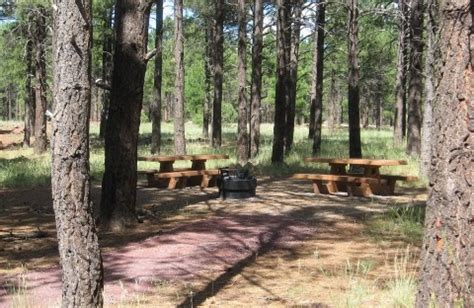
21 168
403 223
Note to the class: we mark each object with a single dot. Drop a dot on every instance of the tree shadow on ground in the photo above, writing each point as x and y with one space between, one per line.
228 234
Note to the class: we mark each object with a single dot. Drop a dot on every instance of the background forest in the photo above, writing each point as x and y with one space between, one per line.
377 43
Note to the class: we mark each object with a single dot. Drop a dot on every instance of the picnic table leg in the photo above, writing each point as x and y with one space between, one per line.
172 183
338 169
383 187
166 166
386 187
359 189
205 181
198 165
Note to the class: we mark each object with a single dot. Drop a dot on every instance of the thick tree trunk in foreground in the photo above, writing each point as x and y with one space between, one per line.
81 263
293 71
282 87
317 85
242 135
41 138
256 78
447 272
120 176
29 95
431 29
155 106
218 63
179 116
415 86
400 81
355 150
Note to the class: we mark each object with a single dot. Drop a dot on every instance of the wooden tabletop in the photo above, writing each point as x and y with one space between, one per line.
356 161
168 158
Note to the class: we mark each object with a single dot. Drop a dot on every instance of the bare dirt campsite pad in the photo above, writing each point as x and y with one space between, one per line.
285 247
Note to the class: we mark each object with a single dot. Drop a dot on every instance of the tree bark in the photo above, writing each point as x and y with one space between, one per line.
107 68
9 102
317 84
295 29
255 116
334 113
29 94
41 139
426 127
400 81
242 134
355 150
207 80
447 274
179 133
364 117
378 107
81 263
155 106
282 87
415 85
121 138
218 63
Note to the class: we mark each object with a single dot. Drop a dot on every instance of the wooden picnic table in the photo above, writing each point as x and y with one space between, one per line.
168 176
364 183
370 166
167 161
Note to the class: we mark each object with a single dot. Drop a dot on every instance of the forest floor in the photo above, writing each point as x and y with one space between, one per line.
286 247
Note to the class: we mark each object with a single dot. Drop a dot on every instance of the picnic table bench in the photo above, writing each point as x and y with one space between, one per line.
169 177
362 179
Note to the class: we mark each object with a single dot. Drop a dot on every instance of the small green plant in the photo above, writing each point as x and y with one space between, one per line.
359 290
402 287
18 291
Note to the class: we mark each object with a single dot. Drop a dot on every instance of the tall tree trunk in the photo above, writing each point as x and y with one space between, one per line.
9 102
365 106
355 150
218 63
317 85
207 80
295 30
333 103
155 107
431 29
179 133
41 139
282 87
447 274
255 115
242 135
378 107
415 85
400 82
81 263
107 67
121 137
29 94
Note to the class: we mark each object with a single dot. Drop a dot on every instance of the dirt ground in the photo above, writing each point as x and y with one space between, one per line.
285 247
